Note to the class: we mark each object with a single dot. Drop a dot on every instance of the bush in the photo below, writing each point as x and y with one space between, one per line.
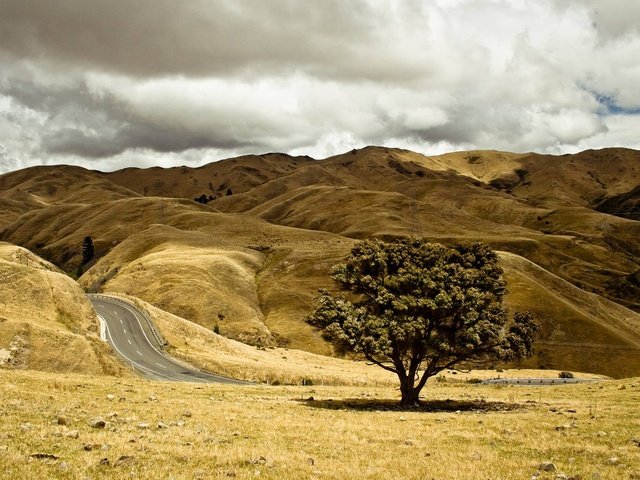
565 375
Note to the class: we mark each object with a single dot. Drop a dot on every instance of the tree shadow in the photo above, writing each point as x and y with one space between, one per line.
426 406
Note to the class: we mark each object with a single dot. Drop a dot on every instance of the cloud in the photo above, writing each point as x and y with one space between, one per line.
98 83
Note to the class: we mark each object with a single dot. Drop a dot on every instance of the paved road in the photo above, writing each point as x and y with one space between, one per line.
129 334
537 381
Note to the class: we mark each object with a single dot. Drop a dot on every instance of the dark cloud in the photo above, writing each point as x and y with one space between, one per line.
200 37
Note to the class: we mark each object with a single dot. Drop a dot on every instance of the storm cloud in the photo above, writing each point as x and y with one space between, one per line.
108 84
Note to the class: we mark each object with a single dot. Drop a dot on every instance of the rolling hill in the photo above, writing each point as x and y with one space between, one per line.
248 259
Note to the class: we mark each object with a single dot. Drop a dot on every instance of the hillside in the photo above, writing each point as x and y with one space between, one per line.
249 260
46 322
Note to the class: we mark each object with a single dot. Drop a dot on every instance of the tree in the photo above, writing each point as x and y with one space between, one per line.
87 250
417 308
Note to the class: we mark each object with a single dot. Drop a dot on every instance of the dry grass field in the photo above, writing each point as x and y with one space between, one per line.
187 431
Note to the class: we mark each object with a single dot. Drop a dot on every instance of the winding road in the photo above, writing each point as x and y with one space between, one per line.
126 329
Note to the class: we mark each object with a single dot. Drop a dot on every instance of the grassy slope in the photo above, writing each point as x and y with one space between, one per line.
46 322
217 431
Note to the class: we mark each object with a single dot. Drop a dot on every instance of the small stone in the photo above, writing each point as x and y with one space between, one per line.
25 427
110 397
143 426
104 461
63 466
112 415
547 467
622 387
476 456
88 447
97 423
72 434
571 460
561 476
186 413
311 461
180 423
162 425
153 398
563 428
601 434
636 441
571 410
613 461
125 460
122 399
62 420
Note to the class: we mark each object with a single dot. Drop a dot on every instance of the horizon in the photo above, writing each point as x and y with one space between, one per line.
146 167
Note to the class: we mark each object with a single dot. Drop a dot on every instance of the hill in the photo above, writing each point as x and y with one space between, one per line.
248 258
46 321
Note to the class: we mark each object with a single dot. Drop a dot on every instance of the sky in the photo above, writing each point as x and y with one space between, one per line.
108 84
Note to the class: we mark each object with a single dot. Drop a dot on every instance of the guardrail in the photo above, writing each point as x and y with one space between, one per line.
162 343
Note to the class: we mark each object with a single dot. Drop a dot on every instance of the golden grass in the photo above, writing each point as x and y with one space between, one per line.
46 321
218 431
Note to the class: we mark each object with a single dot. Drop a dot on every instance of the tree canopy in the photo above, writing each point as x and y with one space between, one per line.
416 308
87 250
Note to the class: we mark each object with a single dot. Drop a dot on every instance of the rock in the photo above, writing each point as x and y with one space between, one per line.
153 398
563 428
25 427
622 387
613 461
105 462
97 423
561 476
62 420
186 413
110 397
180 423
125 460
143 426
601 434
476 456
112 415
311 461
72 434
162 425
44 456
571 410
636 441
547 467
88 447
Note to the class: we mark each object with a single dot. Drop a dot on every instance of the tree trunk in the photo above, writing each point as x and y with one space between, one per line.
409 392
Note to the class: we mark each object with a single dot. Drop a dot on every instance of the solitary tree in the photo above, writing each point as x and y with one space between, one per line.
416 308
87 250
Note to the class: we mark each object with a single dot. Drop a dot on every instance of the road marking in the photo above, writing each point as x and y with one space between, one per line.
103 328
115 313
129 341
125 330
161 365
139 353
